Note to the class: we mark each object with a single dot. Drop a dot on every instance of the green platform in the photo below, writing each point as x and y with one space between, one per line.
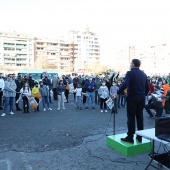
128 149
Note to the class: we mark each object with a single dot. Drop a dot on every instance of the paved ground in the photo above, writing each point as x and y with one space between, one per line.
61 140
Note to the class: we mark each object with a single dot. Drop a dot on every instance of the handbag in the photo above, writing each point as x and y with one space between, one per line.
67 87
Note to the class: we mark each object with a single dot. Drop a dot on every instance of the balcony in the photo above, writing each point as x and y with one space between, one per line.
8 61
52 49
64 47
21 50
9 49
9 45
21 62
40 45
21 56
21 46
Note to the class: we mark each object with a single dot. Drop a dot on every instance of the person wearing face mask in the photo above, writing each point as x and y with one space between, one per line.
136 82
98 84
78 92
84 89
19 84
90 87
76 81
60 92
66 83
47 82
2 85
45 95
113 92
159 83
25 91
35 91
25 80
103 92
30 82
9 93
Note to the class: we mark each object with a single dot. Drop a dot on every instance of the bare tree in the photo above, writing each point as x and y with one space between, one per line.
42 62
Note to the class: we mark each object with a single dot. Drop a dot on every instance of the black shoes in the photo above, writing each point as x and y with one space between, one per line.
18 109
139 139
128 140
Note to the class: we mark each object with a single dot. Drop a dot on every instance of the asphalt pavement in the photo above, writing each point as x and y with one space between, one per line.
70 139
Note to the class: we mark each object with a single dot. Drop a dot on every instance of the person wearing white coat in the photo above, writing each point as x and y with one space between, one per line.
103 92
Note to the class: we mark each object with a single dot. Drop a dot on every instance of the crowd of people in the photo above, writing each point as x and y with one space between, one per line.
88 91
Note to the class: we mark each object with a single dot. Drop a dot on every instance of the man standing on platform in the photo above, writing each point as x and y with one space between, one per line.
137 86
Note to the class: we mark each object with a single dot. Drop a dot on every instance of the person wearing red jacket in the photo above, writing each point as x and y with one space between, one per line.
151 90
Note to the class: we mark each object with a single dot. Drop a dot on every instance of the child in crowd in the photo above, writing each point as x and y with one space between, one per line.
113 92
61 96
103 92
78 92
45 96
25 91
35 91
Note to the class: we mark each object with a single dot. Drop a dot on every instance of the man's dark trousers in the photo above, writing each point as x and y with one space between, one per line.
135 106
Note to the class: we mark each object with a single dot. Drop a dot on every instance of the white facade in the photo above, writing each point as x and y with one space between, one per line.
58 52
16 50
88 46
155 59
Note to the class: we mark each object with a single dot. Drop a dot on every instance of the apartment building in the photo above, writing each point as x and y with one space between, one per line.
16 50
58 52
156 59
88 47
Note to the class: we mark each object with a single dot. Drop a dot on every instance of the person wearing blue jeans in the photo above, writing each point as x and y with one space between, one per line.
9 93
8 101
90 87
78 91
45 99
90 95
45 96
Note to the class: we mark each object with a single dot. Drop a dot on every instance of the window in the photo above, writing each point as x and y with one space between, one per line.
9 49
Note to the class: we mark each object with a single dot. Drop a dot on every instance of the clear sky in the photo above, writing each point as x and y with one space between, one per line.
117 22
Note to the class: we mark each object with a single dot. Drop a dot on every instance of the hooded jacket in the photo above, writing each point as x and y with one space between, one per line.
9 89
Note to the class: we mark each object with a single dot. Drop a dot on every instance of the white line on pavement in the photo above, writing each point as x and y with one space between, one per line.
8 163
27 166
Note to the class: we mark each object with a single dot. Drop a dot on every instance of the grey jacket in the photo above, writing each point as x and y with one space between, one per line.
9 89
55 82
44 90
